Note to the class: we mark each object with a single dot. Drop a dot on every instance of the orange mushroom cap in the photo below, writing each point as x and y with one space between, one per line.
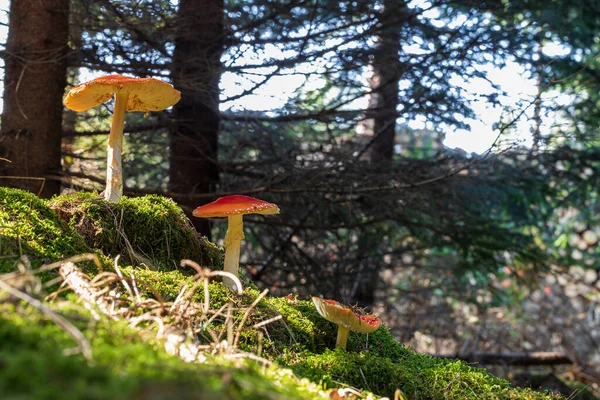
235 205
145 94
334 312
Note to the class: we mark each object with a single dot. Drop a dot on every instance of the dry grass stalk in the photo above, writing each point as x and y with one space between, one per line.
182 325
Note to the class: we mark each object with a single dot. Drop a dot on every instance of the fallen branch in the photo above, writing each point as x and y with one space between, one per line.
521 359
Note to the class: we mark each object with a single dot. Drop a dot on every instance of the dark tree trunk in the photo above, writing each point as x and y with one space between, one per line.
34 83
387 73
196 71
366 277
387 69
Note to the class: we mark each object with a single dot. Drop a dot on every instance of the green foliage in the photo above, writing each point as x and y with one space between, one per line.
150 230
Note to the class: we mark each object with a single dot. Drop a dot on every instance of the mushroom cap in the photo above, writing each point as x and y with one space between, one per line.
145 94
334 312
235 205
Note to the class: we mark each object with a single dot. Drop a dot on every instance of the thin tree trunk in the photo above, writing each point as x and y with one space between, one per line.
196 70
387 70
537 111
34 82
76 30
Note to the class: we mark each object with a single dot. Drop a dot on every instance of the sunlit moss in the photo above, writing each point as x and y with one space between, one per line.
418 376
29 227
34 366
149 230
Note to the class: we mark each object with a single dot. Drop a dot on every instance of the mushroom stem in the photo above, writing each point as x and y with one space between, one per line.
233 239
342 337
114 171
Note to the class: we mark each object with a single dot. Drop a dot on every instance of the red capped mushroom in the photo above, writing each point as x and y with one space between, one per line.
346 319
234 208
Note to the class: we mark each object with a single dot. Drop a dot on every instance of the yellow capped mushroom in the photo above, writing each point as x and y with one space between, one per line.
131 94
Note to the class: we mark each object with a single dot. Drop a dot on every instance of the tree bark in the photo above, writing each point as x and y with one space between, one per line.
34 83
196 71
387 73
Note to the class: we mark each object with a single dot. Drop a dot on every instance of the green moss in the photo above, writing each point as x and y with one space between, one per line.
417 376
33 365
29 227
380 343
301 327
307 329
150 230
373 373
168 284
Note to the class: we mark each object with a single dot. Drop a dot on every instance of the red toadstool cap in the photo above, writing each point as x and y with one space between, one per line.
235 205
334 312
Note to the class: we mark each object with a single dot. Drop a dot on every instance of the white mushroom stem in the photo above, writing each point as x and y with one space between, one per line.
114 171
233 239
342 337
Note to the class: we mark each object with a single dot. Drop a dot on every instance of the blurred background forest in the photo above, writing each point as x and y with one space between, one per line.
350 116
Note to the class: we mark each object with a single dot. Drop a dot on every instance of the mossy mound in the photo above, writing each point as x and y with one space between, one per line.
419 376
150 230
301 329
29 227
375 362
152 235
33 366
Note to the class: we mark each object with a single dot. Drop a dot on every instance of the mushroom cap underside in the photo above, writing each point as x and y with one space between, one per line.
235 205
145 94
334 312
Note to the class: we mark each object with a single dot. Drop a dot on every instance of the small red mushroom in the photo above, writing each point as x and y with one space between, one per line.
346 319
234 208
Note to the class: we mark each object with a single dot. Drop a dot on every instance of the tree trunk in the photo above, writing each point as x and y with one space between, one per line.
387 71
196 70
537 110
34 83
